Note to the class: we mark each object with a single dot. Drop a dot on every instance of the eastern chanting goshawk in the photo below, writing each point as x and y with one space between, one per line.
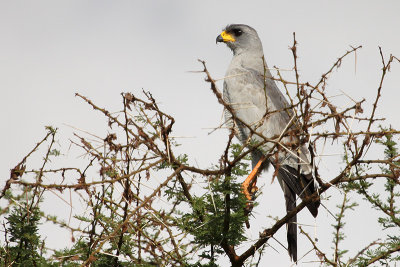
262 114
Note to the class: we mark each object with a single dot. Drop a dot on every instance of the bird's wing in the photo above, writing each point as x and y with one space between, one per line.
294 163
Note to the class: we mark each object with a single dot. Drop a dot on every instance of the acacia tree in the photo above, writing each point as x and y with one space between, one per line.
148 206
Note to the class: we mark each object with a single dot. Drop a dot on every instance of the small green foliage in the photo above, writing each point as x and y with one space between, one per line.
242 167
24 248
219 214
82 218
389 144
385 201
338 235
55 152
77 254
212 207
183 159
112 173
51 129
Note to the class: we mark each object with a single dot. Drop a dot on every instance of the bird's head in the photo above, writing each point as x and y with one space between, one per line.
240 38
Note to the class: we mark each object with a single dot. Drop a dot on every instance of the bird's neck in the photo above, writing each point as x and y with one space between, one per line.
252 60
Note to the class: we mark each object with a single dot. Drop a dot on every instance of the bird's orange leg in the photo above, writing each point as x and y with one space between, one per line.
250 183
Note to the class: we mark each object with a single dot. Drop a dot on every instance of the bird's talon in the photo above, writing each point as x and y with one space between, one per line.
253 191
249 207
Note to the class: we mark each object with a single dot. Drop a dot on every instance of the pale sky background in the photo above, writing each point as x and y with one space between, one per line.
51 49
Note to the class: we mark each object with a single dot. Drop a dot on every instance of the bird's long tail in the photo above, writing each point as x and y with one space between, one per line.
293 183
290 198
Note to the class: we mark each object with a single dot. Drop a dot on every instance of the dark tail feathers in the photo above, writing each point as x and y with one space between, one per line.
290 198
302 187
292 186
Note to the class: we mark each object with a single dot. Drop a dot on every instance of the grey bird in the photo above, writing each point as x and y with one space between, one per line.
261 110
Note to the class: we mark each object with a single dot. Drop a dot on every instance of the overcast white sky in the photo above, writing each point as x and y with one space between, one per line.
51 49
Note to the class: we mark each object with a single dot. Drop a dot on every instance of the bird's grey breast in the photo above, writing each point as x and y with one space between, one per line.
251 93
244 93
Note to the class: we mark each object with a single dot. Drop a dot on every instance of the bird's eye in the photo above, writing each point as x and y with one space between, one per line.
237 32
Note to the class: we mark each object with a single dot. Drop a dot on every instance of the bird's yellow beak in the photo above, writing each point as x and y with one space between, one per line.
225 37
